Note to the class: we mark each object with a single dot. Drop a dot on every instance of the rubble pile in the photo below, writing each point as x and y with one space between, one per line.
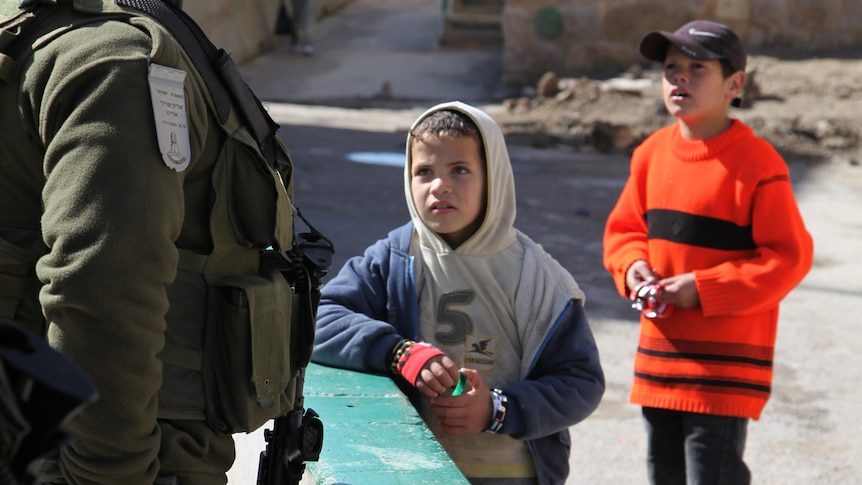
614 115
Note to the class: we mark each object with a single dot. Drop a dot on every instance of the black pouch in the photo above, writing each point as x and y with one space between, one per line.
248 369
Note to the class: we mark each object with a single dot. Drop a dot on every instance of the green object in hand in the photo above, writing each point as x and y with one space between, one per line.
462 383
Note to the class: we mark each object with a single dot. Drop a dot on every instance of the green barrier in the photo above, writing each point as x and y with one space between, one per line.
372 434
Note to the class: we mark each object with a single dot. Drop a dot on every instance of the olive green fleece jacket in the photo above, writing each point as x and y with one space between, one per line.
80 160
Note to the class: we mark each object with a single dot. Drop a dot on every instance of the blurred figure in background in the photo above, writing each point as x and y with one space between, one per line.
303 18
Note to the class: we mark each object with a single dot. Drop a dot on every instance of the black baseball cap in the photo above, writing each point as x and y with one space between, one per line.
699 39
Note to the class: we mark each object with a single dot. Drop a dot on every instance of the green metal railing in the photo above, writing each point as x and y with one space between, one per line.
372 434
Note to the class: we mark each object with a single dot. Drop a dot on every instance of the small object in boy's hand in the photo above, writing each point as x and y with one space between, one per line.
462 383
459 388
643 300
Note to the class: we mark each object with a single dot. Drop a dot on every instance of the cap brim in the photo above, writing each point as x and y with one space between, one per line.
654 46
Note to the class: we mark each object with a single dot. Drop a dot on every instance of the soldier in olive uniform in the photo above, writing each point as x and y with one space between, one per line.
133 203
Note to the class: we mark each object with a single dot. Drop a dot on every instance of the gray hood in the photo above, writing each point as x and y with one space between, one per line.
497 231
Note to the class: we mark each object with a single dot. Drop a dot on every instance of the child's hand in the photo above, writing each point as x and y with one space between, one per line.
639 271
437 376
468 413
679 291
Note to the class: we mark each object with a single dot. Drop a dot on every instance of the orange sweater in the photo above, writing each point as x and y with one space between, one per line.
724 209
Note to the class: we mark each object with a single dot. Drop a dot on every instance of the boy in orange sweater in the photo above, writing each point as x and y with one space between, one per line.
708 219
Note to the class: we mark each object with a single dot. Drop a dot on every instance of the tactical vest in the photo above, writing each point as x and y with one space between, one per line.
241 318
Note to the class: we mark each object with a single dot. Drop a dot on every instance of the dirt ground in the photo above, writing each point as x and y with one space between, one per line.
809 109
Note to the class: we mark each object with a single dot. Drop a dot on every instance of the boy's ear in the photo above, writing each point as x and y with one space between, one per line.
735 83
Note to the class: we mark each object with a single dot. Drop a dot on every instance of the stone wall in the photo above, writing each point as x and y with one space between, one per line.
575 37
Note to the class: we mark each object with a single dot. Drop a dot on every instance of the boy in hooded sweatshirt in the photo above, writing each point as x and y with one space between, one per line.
458 290
708 218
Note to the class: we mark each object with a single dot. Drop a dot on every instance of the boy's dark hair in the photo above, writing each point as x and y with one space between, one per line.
448 122
726 69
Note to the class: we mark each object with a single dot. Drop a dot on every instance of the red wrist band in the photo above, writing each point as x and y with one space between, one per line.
414 359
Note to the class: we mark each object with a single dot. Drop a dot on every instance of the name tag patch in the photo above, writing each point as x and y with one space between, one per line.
169 112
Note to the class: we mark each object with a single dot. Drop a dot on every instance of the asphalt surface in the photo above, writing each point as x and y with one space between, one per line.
810 432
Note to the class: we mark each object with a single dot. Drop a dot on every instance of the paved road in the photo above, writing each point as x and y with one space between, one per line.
810 432
373 43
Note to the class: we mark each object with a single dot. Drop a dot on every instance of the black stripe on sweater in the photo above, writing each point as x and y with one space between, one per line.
733 359
700 382
695 230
